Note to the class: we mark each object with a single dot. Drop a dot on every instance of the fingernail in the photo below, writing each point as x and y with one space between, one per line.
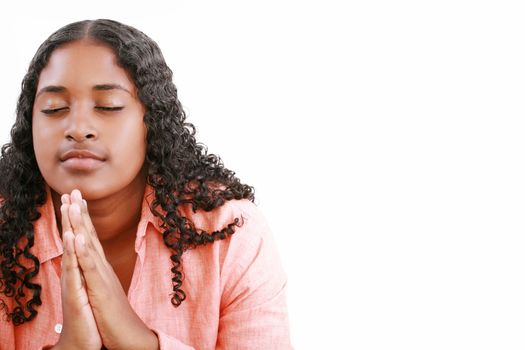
76 194
85 203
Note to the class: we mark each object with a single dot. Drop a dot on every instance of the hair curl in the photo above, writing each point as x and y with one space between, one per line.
179 169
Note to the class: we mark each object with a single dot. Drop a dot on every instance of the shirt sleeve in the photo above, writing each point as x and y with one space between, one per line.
253 305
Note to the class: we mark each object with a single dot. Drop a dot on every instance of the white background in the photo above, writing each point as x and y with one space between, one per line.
384 140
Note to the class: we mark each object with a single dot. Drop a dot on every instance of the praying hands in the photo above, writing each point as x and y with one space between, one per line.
96 310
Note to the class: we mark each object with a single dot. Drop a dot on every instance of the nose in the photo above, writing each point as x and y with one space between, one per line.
80 126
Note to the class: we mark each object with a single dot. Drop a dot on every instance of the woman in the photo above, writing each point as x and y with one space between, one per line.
117 229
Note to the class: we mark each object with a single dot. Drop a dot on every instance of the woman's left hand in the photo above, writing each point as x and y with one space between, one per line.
118 324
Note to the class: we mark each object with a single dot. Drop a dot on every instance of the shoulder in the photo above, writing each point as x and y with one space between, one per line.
252 232
244 210
251 271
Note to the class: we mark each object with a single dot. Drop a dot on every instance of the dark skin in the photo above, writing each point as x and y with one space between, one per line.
89 141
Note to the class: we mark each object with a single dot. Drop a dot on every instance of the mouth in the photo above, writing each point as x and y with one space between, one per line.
81 160
82 164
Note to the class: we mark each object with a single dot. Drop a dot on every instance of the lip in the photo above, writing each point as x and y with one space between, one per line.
81 160
80 153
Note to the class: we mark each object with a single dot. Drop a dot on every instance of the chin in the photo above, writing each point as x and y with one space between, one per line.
88 191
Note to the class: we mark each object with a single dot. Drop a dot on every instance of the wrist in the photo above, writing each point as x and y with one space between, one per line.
52 347
142 341
154 342
57 346
151 341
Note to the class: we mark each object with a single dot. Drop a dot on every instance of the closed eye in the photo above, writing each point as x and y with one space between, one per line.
100 108
53 110
109 109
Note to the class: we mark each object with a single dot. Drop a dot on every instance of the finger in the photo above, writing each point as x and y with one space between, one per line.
66 225
65 199
77 223
101 281
75 215
90 228
75 218
76 196
71 277
89 263
82 253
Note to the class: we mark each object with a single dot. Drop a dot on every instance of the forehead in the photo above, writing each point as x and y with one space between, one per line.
83 64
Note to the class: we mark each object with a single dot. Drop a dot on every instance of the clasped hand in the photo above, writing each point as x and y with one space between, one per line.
95 308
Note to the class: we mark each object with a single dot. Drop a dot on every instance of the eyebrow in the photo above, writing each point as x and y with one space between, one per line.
99 87
104 87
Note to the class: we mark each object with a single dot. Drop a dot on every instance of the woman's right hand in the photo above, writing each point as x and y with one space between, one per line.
80 329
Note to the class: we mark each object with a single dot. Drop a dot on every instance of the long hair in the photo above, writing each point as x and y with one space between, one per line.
180 170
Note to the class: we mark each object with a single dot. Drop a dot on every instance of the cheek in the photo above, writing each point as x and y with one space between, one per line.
43 146
130 144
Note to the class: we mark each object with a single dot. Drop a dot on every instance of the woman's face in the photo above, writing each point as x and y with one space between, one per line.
88 127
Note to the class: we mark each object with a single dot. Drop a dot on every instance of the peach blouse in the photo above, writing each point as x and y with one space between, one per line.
235 287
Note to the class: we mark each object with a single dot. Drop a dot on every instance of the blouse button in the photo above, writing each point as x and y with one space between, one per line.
58 328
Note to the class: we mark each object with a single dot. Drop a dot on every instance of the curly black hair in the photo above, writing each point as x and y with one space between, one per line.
180 170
